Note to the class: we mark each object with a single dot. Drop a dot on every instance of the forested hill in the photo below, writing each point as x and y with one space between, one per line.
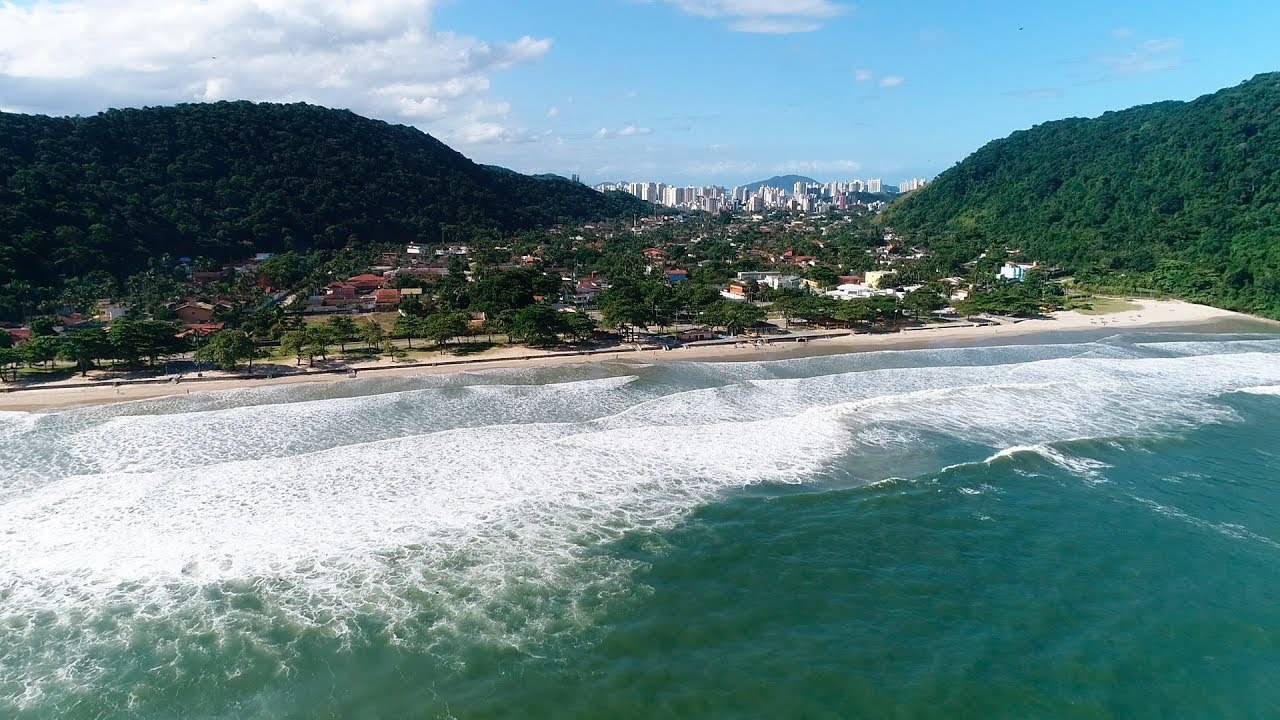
221 180
1182 198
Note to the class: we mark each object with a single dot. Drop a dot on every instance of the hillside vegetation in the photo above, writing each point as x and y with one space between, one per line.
109 192
1178 198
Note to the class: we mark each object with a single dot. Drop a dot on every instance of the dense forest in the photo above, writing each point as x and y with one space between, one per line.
1176 198
105 194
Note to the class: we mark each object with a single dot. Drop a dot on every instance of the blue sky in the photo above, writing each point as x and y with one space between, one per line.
698 91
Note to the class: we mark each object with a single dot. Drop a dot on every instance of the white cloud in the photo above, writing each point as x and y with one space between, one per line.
627 131
1146 57
1044 93
553 112
863 75
380 58
764 16
819 166
891 81
1121 33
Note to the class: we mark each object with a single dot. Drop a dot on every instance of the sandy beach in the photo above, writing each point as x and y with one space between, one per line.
1149 314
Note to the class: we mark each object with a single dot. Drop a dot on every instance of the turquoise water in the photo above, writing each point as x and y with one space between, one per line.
1086 529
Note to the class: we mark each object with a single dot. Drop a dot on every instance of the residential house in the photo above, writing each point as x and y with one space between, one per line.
386 299
676 275
194 313
19 335
367 282
110 312
340 293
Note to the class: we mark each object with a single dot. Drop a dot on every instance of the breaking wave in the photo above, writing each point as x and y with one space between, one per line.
439 512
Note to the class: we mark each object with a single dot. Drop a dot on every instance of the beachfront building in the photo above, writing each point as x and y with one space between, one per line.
1016 272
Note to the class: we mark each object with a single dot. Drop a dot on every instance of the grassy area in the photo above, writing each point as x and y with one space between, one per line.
386 319
1103 305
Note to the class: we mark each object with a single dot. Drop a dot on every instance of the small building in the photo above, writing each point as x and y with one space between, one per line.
386 299
758 276
696 335
110 312
876 279
367 282
735 291
19 335
783 282
676 275
194 313
199 330
1016 272
206 278
340 292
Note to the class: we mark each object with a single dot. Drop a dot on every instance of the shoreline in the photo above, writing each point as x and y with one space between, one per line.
1149 315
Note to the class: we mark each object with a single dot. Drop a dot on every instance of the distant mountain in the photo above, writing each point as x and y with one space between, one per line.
1177 197
109 192
782 182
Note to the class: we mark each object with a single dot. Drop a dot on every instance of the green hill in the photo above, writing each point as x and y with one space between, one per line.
1181 198
109 192
782 182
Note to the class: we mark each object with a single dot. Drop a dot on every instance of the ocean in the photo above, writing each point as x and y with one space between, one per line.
1083 527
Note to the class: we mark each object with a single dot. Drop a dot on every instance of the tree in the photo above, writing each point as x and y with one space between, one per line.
43 326
294 342
6 340
9 359
443 327
408 327
536 324
39 350
318 338
132 340
733 316
342 330
922 302
373 335
226 348
84 348
579 326
626 305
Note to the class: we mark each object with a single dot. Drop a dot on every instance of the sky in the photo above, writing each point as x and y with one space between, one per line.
681 91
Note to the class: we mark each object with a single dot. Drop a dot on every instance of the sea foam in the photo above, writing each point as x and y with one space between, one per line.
454 502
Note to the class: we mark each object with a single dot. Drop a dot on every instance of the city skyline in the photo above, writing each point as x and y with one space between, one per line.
697 91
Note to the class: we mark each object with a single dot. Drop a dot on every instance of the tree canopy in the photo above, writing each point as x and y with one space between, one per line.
94 198
1178 198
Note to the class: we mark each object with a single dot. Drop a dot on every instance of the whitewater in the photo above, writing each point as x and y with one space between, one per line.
203 555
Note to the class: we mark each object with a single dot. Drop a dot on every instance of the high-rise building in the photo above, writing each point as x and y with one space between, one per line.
875 185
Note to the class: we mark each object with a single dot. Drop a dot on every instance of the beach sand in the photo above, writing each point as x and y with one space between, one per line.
1150 314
